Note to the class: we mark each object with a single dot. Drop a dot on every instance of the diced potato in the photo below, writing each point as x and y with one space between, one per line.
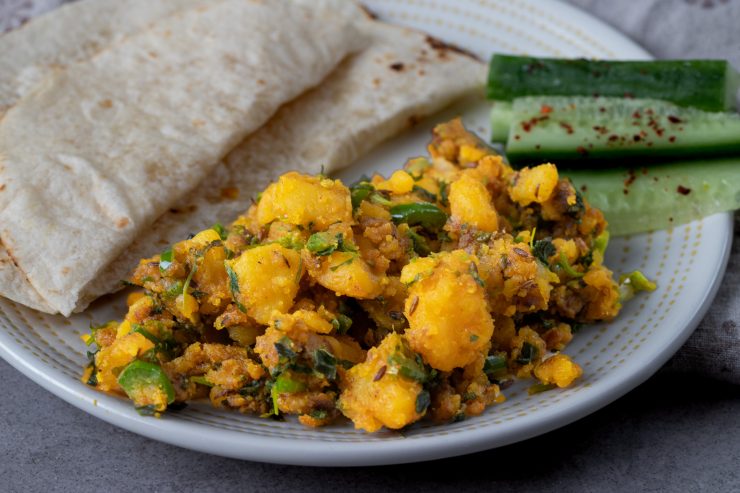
418 268
534 184
469 154
559 370
268 278
204 238
307 319
470 203
449 321
528 348
111 359
373 397
347 274
302 200
601 294
399 183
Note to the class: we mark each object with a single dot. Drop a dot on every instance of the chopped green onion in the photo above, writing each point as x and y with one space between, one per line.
495 366
201 380
325 363
360 192
140 374
342 323
632 283
565 265
284 385
427 215
527 354
165 260
601 242
540 387
423 400
222 232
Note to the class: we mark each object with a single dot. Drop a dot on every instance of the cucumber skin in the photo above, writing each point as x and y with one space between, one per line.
578 131
710 85
652 200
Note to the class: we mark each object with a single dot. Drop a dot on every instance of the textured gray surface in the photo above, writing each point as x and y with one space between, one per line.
668 435
674 433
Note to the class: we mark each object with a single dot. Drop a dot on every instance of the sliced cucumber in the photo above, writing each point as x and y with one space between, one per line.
706 84
661 196
577 130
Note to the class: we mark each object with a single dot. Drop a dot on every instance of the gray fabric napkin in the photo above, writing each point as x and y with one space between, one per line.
667 29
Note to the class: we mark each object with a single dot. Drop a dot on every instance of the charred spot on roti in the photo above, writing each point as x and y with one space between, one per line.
66 270
442 48
2 187
376 82
397 66
122 222
105 103
369 12
230 193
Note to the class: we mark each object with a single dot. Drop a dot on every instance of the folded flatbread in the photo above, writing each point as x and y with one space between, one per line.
403 75
72 33
97 150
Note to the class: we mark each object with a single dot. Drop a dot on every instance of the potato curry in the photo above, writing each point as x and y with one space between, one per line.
420 295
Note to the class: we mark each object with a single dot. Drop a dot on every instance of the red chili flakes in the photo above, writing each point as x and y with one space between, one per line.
636 115
584 188
683 190
674 119
601 130
602 109
517 137
672 138
545 109
582 151
636 138
527 126
613 138
631 178
567 126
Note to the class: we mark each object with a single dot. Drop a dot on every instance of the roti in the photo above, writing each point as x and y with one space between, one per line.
98 150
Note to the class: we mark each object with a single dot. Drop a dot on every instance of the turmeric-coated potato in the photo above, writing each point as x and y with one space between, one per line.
534 184
470 203
305 200
111 359
346 273
449 320
267 279
376 394
559 370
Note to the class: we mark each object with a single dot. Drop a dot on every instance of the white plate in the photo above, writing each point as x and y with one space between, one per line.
687 263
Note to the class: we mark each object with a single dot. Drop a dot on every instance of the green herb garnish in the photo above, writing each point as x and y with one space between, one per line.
543 250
